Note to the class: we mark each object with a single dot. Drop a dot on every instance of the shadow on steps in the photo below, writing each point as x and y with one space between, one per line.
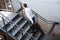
35 28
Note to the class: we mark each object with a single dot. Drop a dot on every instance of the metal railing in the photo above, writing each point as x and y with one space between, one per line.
46 21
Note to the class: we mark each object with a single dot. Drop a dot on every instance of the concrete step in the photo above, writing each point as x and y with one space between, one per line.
20 28
27 36
26 28
14 24
19 35
36 35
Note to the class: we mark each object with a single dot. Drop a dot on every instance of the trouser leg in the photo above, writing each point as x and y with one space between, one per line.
33 19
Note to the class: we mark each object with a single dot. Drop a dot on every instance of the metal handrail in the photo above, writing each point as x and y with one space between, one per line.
47 21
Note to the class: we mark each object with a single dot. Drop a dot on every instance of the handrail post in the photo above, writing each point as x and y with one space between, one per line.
4 26
52 28
36 18
22 31
3 21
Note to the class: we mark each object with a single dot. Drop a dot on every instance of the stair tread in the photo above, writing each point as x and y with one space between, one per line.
14 33
30 35
7 26
11 36
19 35
10 15
26 29
13 30
27 36
16 18
14 24
37 35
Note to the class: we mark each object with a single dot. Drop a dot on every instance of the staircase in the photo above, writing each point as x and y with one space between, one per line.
19 29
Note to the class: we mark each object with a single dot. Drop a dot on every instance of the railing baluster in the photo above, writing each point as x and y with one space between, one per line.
55 23
3 21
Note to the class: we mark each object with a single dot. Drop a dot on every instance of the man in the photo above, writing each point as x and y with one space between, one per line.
35 27
28 13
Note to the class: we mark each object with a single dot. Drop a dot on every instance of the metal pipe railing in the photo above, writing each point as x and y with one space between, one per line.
2 20
49 22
